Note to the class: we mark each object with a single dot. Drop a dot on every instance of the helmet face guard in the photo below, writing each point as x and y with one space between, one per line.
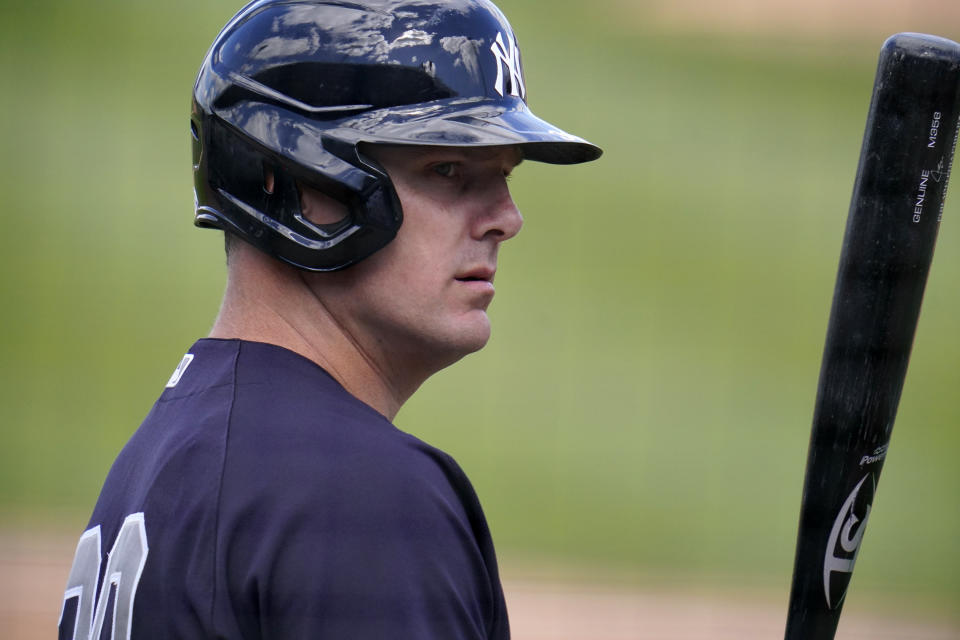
294 88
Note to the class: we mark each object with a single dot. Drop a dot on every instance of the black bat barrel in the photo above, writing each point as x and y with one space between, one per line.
888 245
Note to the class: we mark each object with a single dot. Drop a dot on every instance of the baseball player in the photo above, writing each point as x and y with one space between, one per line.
356 156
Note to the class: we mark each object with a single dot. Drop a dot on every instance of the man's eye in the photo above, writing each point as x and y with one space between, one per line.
445 169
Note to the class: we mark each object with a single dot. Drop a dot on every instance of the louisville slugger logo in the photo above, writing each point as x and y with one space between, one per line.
507 56
845 538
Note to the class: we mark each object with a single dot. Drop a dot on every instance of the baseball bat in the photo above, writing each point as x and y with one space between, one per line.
888 245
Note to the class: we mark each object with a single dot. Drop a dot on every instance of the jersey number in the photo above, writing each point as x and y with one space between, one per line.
124 566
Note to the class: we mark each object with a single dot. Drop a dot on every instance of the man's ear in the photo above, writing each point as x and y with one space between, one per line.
319 208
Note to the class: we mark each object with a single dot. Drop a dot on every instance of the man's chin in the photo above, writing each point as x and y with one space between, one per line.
468 337
477 333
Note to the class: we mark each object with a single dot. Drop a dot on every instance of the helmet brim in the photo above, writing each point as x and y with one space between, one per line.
463 122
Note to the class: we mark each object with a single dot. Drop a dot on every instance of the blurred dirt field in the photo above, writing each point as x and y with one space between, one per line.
34 569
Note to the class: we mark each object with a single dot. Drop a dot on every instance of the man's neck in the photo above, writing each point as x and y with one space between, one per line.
266 301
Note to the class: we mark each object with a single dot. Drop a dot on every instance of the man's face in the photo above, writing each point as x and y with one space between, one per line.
422 299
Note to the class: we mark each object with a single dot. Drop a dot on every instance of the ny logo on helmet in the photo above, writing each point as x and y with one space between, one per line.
508 55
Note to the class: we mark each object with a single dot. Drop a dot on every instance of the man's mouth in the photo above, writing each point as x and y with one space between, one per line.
478 274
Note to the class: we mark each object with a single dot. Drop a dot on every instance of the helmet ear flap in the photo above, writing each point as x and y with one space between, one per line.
282 203
377 204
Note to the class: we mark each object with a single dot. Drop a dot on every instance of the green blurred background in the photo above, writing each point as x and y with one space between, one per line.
643 409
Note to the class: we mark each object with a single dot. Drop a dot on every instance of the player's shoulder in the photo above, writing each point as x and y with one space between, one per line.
263 388
293 427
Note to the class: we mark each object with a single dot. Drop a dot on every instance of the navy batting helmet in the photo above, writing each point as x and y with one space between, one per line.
293 87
